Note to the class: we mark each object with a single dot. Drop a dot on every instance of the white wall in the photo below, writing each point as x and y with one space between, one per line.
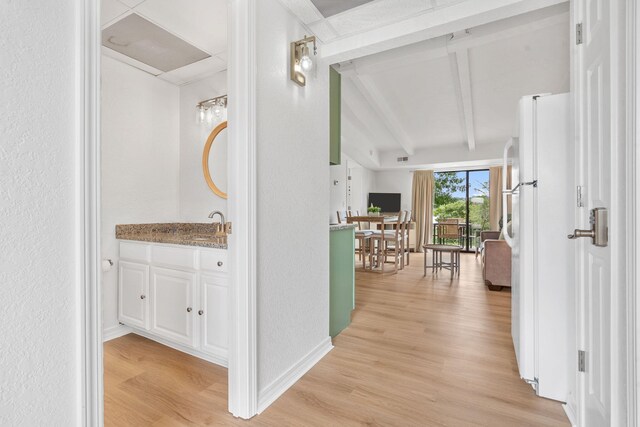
399 181
196 199
39 331
140 166
363 182
292 199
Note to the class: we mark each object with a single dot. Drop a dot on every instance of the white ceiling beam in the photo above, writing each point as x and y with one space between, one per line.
513 27
387 116
441 47
435 23
463 90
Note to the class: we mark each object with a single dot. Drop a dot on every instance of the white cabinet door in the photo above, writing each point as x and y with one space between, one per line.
133 293
172 312
214 314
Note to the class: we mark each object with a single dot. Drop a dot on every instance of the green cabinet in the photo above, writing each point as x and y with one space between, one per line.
335 99
342 278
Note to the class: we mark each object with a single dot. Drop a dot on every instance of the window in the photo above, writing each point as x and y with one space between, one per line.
461 207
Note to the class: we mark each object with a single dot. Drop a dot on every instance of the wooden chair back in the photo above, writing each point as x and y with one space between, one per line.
407 222
400 225
448 228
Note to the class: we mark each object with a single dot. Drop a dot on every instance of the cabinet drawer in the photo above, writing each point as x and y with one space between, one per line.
174 256
134 251
214 260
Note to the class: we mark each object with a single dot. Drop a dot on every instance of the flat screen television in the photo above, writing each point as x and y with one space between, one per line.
388 202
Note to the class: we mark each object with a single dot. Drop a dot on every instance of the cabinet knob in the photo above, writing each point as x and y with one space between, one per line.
143 296
189 309
200 312
219 263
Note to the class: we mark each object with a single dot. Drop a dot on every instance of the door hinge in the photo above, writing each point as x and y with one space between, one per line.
579 33
582 361
533 383
579 196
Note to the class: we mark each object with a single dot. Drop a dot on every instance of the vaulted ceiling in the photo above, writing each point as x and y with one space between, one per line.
332 19
454 92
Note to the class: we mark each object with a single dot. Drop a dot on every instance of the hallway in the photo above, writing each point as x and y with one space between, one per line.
420 352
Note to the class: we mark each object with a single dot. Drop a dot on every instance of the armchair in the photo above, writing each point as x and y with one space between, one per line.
496 262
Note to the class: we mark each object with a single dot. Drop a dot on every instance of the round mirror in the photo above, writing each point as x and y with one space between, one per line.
214 160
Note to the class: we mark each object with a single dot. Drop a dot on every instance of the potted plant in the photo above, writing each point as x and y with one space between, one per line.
374 210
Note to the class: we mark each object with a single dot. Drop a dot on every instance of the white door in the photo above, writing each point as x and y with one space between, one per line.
133 292
172 312
214 315
593 114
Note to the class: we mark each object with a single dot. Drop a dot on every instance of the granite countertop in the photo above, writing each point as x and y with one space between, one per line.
175 233
336 227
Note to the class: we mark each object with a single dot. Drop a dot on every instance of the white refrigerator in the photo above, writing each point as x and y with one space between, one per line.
542 197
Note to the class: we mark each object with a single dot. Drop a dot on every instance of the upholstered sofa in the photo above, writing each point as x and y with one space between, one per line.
496 261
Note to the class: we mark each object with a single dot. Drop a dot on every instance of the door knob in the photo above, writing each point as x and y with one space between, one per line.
582 233
599 232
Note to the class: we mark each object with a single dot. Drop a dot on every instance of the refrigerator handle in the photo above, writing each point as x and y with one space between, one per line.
506 192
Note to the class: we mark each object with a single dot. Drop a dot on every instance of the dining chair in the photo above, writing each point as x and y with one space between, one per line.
362 248
362 235
448 229
406 241
386 243
342 216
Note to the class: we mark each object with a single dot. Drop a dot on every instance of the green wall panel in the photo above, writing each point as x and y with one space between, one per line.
335 99
342 279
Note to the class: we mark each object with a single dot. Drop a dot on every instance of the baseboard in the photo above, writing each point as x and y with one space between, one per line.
569 410
218 360
115 332
273 391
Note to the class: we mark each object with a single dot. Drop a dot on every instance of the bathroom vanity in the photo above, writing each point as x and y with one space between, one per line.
173 286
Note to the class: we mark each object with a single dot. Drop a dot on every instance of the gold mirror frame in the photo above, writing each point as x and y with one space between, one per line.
205 160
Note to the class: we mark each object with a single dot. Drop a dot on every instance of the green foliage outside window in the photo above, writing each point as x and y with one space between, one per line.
446 205
446 184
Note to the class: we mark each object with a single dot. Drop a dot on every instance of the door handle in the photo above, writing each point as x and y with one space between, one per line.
582 233
599 232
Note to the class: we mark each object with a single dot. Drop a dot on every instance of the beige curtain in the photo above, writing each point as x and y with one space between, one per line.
495 195
422 206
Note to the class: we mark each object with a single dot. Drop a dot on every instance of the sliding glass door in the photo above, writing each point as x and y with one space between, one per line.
461 207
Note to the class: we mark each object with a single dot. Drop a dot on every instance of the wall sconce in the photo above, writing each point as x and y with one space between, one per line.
212 110
300 61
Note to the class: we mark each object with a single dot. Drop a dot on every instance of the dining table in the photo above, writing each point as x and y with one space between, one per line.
379 221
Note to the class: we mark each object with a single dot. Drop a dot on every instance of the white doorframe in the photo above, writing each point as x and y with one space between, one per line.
243 391
243 383
632 181
633 212
89 310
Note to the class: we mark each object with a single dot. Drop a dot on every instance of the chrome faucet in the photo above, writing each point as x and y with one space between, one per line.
214 213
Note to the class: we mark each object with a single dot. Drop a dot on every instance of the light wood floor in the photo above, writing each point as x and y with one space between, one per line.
420 352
